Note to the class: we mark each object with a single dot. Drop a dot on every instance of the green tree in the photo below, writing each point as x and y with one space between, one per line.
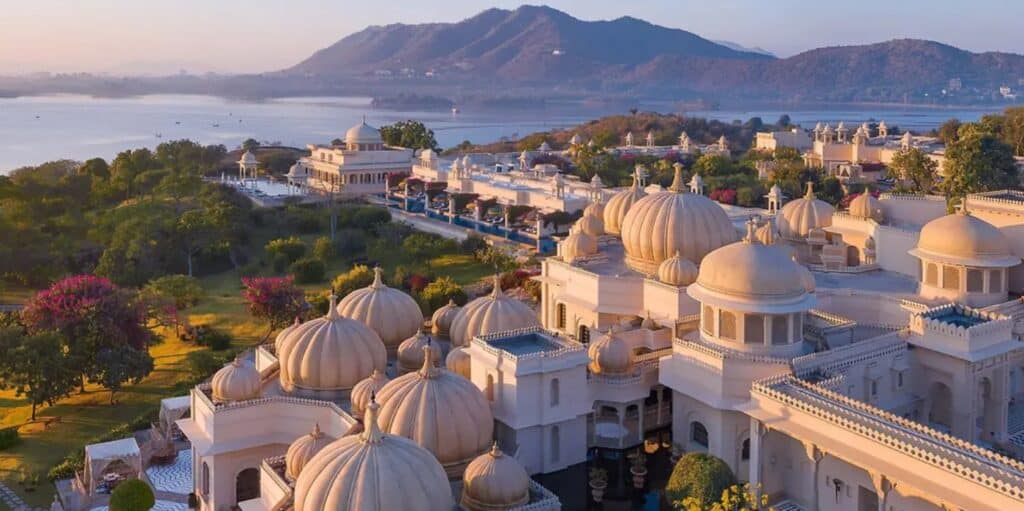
948 131
734 498
713 165
195 231
36 367
307 270
410 134
132 495
438 292
291 247
358 277
324 249
119 365
128 165
250 144
978 162
913 166
700 477
97 168
182 291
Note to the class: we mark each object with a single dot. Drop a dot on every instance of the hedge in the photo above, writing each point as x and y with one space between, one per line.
701 476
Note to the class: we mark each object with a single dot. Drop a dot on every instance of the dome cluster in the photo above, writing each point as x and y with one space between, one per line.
392 314
491 313
578 244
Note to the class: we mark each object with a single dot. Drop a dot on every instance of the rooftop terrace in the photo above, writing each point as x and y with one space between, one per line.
525 343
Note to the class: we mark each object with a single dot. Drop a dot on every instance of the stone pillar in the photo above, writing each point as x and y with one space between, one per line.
757 431
814 456
451 209
620 414
882 486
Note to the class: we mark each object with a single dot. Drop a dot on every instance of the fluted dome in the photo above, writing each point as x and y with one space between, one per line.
439 410
410 352
237 381
866 205
363 133
491 313
767 233
964 239
441 321
283 334
458 361
594 209
363 391
394 315
331 353
619 204
373 471
751 275
659 225
302 450
800 216
590 224
577 245
610 354
677 271
495 482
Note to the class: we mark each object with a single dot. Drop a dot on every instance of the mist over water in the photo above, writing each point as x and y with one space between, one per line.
43 128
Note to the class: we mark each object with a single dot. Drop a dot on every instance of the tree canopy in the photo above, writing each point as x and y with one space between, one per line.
410 134
700 477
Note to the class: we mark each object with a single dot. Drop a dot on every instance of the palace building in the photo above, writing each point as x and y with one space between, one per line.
360 165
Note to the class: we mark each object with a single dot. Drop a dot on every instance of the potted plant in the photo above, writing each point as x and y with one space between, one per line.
598 483
639 470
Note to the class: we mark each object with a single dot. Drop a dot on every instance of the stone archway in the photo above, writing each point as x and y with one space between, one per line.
852 256
940 410
247 485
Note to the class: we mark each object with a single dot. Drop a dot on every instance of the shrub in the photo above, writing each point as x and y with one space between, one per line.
438 292
132 495
368 217
280 263
319 302
301 220
202 364
350 241
292 247
699 476
416 282
206 335
472 244
308 270
324 249
9 438
358 277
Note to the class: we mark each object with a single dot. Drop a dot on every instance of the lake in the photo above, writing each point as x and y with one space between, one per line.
41 128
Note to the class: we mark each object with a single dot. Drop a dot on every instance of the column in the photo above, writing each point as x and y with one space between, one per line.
882 486
756 432
620 414
814 456
641 410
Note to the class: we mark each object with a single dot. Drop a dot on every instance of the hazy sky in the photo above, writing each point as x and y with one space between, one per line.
160 36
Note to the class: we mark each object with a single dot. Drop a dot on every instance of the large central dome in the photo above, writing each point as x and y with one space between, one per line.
659 226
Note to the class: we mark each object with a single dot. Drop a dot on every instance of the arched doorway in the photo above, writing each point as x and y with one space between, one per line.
852 256
941 402
247 485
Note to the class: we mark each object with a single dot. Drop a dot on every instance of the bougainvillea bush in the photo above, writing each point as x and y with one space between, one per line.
276 300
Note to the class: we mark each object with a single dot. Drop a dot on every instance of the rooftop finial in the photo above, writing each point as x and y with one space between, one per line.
316 431
496 292
677 180
495 452
810 190
751 231
332 308
378 280
428 370
371 431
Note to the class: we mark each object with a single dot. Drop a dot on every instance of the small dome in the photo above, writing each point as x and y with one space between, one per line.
284 334
491 313
866 205
364 391
649 322
237 381
800 216
296 171
594 209
248 157
373 471
659 225
494 482
749 272
458 361
439 410
677 271
964 239
331 353
577 245
591 224
394 315
619 204
410 352
302 450
610 354
441 321
767 234
363 133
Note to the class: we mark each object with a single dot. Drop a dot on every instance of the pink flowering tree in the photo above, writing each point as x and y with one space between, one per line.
93 316
276 300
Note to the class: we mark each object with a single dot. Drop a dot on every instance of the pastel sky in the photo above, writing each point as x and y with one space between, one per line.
162 36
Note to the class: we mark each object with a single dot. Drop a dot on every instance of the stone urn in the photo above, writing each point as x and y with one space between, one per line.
639 474
597 487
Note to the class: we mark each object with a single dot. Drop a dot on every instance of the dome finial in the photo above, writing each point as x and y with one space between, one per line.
372 433
495 452
428 370
378 281
332 308
677 181
751 231
316 431
496 292
810 190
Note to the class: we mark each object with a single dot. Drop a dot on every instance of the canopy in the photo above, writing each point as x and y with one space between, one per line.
100 456
172 409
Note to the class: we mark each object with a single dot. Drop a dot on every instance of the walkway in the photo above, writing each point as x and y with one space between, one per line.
13 501
174 478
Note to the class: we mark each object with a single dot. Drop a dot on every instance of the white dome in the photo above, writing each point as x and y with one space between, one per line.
494 482
659 225
363 133
458 361
866 205
331 353
767 234
248 157
410 352
489 314
441 321
363 392
800 216
296 171
748 275
394 315
964 239
619 204
677 271
590 224
806 277
578 244
594 209
302 450
237 381
373 471
439 410
610 354
283 334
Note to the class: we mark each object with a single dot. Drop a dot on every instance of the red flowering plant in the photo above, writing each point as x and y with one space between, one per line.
276 300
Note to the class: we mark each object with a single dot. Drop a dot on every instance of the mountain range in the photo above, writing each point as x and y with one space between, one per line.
541 46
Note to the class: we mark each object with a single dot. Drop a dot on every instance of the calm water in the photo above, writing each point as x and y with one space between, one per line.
42 128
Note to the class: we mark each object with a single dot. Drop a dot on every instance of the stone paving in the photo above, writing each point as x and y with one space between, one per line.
12 501
173 478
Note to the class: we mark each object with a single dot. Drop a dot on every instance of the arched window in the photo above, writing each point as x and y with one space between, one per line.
950 277
554 392
247 485
204 477
931 274
584 334
556 442
489 389
699 434
727 325
707 323
560 316
745 450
